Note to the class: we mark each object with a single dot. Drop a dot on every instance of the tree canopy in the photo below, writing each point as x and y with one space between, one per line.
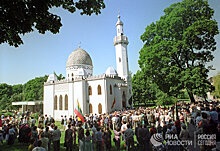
144 91
33 89
147 93
30 91
9 94
216 83
19 17
178 46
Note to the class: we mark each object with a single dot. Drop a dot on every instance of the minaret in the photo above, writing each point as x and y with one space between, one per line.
120 43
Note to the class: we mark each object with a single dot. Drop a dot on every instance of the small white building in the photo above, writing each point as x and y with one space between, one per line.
96 94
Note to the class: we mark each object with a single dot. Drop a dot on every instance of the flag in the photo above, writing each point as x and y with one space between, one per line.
78 112
113 103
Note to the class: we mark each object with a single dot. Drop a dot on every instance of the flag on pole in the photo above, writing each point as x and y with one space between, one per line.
113 103
78 112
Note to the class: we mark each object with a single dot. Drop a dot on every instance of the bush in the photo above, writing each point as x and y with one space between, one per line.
8 113
35 115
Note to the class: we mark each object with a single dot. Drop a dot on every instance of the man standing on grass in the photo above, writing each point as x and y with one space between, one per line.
33 122
69 139
144 138
56 139
129 137
47 134
44 141
98 136
137 134
81 137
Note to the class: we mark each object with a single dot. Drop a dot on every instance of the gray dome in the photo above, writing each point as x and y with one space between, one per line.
111 71
79 57
52 77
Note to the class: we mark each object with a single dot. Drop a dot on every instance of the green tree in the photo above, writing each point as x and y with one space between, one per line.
216 83
18 17
60 77
3 102
5 90
144 91
17 88
33 89
178 46
16 97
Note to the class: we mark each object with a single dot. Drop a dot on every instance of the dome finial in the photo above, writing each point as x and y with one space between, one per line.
119 15
79 44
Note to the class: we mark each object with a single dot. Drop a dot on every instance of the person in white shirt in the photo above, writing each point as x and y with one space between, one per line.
123 128
167 118
114 122
125 118
135 119
94 118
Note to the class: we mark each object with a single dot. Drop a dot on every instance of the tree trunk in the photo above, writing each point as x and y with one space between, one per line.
192 99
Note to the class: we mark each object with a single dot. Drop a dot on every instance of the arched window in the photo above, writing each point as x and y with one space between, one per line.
110 89
66 102
72 74
90 108
55 102
61 103
100 108
99 90
90 90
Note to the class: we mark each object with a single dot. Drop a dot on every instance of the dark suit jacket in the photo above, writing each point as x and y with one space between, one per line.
69 135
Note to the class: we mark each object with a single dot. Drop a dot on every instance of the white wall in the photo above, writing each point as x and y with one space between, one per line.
48 100
61 89
115 94
80 95
71 99
74 70
79 90
95 99
122 67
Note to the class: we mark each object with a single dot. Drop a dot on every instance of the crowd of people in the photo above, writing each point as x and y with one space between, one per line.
100 131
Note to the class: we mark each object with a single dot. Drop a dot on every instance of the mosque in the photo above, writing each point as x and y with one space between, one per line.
95 94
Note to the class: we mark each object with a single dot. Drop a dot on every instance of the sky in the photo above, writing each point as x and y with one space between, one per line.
43 54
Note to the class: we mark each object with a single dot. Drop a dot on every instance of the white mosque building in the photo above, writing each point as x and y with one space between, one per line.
96 94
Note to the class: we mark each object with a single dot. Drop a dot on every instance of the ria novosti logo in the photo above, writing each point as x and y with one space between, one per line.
156 139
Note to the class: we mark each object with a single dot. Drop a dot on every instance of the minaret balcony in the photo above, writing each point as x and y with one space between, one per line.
120 40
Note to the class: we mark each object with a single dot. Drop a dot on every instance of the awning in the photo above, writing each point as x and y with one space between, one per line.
27 103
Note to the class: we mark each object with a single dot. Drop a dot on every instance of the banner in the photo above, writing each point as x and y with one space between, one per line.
78 112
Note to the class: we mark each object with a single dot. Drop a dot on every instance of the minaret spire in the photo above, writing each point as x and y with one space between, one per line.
119 25
119 15
120 43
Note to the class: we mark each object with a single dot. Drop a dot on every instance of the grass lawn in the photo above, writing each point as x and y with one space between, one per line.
23 147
